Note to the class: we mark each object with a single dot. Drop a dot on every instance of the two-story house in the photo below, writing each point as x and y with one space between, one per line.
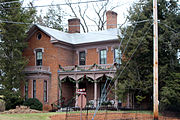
60 62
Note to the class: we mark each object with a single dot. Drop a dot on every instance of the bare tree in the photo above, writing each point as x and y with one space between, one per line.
98 11
81 14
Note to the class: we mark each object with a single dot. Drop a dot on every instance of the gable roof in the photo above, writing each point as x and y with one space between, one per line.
80 38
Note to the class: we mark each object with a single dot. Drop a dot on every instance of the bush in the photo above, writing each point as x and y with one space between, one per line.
105 103
33 103
12 99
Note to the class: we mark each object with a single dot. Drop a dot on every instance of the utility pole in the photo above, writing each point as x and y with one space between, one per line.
155 61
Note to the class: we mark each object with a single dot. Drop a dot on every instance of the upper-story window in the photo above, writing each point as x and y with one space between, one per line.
38 52
117 56
82 58
103 56
39 57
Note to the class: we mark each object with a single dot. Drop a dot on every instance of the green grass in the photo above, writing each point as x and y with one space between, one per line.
29 116
45 116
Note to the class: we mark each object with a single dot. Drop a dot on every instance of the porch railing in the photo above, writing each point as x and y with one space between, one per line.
37 69
94 67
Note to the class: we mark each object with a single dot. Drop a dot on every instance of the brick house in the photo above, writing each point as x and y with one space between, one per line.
60 63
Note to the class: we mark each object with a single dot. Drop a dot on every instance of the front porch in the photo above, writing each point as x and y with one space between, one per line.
90 77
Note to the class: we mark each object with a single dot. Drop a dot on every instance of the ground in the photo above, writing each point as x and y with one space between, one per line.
120 115
110 116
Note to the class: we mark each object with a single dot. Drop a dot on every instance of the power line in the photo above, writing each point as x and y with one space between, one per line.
10 2
122 55
6 21
127 63
59 4
131 34
132 55
172 29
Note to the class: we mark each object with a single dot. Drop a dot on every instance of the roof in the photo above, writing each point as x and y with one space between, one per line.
80 38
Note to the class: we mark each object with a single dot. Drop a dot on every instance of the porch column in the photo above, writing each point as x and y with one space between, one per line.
128 105
60 90
95 93
116 97
77 86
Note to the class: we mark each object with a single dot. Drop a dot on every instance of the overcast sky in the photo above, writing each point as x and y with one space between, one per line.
121 10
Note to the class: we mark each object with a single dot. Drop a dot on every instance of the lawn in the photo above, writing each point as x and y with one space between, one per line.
30 116
45 116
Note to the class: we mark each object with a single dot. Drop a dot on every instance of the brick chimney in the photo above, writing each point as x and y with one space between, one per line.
74 25
111 17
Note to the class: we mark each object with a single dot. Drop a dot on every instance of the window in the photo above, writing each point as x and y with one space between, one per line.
34 88
103 56
82 58
39 57
117 56
39 36
38 52
45 90
26 90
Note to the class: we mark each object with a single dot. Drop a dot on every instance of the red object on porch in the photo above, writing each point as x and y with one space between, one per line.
83 101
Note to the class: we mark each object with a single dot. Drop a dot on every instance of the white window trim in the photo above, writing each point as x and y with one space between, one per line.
98 51
102 48
77 52
35 50
99 58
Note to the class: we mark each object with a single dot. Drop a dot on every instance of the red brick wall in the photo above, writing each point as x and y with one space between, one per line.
111 19
74 25
110 56
92 56
53 56
50 58
75 58
66 57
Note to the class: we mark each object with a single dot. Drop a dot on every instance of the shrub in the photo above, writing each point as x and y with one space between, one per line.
12 99
105 103
33 103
